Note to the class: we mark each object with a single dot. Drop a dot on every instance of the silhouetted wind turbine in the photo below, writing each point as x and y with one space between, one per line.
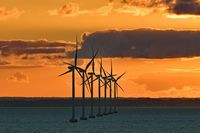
84 73
98 77
92 85
110 79
105 92
116 85
72 69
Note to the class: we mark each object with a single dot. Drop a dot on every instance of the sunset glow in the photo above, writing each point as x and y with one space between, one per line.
31 70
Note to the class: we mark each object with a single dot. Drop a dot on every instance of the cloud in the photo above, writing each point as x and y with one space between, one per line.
163 81
105 10
20 47
2 62
18 77
147 3
186 16
69 9
135 11
146 7
33 53
72 9
10 13
143 43
168 8
142 7
186 7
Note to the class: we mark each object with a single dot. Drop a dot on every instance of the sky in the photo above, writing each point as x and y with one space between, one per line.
156 42
63 19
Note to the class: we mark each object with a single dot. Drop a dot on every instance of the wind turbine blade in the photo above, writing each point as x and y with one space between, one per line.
101 81
119 86
102 85
93 60
65 73
87 66
94 55
87 80
101 66
110 75
76 52
68 63
104 72
111 71
87 87
80 69
87 83
93 65
96 75
95 79
79 73
121 76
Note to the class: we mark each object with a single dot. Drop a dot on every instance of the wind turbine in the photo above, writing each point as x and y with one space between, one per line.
98 77
91 85
116 85
105 78
91 77
110 79
73 68
84 73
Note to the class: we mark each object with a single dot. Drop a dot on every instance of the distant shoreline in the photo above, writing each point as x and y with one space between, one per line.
66 102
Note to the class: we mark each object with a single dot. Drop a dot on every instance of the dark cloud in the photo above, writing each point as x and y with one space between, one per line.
146 3
179 7
19 47
33 53
143 43
19 77
186 7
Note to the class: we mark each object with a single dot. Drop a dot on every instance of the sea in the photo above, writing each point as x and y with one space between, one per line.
127 120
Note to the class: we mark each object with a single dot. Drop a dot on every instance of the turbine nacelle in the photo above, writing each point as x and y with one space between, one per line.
105 78
71 67
91 73
81 70
98 76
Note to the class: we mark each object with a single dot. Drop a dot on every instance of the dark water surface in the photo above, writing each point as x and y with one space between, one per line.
128 120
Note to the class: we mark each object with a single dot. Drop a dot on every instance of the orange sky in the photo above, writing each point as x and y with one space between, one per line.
144 78
62 20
